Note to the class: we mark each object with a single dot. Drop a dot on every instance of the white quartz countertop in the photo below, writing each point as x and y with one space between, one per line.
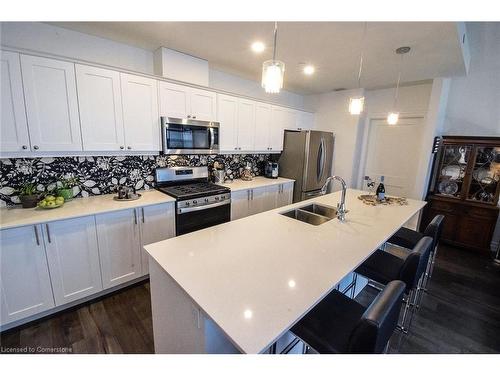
257 182
78 207
255 277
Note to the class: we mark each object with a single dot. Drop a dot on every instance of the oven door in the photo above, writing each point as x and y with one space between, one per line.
190 219
181 136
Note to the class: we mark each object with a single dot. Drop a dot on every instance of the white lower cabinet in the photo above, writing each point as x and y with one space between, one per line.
24 274
157 224
119 246
253 201
285 194
73 256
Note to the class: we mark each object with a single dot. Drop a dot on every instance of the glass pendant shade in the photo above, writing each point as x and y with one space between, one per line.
356 105
272 76
392 118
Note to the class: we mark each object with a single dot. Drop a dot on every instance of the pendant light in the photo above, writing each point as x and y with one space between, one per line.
356 104
393 116
273 70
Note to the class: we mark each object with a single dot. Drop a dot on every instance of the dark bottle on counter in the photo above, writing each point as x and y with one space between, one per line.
381 189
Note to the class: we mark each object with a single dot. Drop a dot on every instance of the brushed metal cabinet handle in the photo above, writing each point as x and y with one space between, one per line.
37 238
135 216
48 233
142 210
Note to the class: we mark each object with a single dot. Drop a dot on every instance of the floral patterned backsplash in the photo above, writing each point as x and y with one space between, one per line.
102 174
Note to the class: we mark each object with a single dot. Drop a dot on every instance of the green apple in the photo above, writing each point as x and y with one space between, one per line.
50 198
51 203
43 203
59 200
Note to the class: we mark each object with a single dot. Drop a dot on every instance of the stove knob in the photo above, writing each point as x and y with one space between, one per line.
206 200
216 198
195 202
187 203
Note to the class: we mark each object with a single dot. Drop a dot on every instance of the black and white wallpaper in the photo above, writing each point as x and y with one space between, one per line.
102 174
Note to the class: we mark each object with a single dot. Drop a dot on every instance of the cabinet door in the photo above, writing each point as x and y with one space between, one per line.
119 247
157 224
262 126
304 120
202 105
73 257
51 104
246 125
24 274
140 113
285 195
13 124
279 121
257 200
239 204
100 103
174 100
272 196
227 115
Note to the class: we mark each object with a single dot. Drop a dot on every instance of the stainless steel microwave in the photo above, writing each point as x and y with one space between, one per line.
186 136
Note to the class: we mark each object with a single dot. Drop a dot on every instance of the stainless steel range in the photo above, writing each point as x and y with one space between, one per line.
199 203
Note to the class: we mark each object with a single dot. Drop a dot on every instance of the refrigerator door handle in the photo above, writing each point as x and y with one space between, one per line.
321 159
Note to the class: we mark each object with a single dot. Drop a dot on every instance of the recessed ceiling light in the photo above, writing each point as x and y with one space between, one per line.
258 47
308 70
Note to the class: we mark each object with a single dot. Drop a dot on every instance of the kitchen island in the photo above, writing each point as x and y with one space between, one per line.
239 286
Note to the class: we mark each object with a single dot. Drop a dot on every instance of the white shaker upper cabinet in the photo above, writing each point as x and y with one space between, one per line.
140 113
174 100
227 116
51 104
24 275
13 124
202 105
157 224
119 246
100 103
246 125
73 256
280 120
262 126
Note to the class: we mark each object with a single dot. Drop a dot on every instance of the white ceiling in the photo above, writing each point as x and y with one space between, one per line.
332 47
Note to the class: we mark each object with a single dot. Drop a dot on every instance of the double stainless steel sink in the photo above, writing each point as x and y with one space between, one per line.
314 214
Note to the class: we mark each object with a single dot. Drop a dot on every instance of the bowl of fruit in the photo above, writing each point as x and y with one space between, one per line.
51 202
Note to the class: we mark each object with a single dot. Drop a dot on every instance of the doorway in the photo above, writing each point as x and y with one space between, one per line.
394 151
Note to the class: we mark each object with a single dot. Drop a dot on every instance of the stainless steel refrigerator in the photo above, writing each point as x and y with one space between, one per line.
307 158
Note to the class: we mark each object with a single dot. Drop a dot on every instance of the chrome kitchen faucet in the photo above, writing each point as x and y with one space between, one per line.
341 210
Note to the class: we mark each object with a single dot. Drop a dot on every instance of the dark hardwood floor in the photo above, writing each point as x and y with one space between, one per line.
460 314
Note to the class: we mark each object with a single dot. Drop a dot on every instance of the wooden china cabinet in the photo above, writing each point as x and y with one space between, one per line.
464 187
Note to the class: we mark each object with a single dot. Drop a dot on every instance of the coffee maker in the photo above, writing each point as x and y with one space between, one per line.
271 170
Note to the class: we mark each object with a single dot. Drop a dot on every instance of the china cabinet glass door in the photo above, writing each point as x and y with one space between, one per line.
452 170
485 175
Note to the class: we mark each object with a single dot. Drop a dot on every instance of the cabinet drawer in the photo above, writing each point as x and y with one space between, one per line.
444 207
481 213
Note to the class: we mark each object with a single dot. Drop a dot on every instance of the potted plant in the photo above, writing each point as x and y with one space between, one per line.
28 195
66 187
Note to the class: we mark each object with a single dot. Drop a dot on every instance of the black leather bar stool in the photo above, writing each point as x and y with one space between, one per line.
407 239
339 324
383 267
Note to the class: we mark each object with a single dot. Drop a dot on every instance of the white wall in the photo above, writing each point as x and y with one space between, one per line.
230 82
332 115
474 100
57 41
